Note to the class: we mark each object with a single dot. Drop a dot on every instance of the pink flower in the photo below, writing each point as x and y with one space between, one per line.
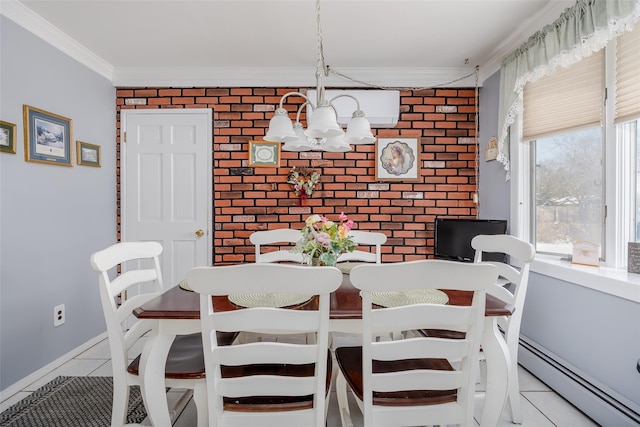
343 217
349 225
324 239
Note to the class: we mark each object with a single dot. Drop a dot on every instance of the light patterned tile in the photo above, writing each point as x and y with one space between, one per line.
73 368
98 351
531 416
558 410
12 400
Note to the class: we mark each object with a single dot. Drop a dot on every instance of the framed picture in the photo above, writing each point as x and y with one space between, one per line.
263 154
88 154
7 137
397 159
47 137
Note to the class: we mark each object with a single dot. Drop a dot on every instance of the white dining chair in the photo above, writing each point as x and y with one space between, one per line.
139 281
417 380
512 289
365 238
276 237
267 383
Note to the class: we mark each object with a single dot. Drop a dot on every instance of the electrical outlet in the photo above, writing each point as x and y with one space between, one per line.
58 315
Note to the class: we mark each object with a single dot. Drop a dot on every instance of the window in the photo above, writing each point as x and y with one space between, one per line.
584 181
568 190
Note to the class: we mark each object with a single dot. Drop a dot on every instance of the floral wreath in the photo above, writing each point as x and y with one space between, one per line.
303 182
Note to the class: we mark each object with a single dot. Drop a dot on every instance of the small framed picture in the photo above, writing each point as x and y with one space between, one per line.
7 137
263 154
47 137
88 154
397 159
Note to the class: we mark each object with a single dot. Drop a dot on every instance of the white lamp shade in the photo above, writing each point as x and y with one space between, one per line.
336 144
323 123
359 130
280 127
300 143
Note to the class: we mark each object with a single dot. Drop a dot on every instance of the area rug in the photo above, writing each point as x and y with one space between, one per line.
71 402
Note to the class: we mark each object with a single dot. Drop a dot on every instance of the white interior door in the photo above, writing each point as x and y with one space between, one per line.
166 185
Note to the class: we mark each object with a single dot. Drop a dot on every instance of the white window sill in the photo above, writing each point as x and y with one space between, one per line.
603 279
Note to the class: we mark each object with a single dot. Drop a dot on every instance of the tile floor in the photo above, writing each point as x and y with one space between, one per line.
541 406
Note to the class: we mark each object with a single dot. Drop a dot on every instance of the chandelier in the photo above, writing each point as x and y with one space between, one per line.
323 131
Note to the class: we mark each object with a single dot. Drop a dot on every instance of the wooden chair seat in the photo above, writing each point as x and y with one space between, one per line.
186 357
350 360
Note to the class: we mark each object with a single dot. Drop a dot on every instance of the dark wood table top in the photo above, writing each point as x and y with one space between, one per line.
177 303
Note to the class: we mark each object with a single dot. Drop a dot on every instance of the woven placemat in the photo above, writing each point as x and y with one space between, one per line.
347 266
268 299
418 296
184 285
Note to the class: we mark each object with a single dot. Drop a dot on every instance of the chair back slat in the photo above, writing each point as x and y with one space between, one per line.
264 319
289 370
365 238
273 238
396 375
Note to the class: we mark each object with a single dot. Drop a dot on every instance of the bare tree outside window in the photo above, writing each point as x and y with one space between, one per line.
569 190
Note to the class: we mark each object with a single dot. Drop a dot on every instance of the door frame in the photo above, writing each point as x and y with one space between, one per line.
209 161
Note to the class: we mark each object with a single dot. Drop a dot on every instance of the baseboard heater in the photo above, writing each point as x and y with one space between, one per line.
598 401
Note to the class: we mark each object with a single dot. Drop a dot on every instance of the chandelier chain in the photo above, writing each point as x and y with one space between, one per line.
329 70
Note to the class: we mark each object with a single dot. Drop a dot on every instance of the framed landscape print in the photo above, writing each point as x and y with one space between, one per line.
47 137
7 137
263 154
88 154
397 159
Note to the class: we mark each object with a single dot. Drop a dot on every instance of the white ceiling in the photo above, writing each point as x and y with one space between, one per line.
384 42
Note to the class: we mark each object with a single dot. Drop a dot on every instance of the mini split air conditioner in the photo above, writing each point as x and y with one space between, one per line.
381 107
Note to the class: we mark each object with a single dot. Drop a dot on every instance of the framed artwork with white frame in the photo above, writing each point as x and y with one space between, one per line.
397 159
264 154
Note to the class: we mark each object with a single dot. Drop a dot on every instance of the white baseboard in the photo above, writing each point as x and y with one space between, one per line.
24 382
596 400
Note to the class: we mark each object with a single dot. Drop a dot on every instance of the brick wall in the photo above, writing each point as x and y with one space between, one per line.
248 199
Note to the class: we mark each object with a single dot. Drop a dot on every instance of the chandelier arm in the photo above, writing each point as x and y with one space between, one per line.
345 95
300 109
298 94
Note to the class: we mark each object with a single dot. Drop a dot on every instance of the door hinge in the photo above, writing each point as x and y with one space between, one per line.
125 136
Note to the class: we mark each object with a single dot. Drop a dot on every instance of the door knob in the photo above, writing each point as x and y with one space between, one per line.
200 233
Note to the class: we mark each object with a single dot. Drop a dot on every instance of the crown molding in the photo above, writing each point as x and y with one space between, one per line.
381 78
34 23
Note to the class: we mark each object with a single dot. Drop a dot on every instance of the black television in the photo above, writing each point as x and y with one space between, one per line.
453 238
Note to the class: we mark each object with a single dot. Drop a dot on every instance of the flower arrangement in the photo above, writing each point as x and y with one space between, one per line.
323 240
303 183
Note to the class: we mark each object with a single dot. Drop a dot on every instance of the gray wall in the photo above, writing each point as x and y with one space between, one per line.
493 188
51 217
596 332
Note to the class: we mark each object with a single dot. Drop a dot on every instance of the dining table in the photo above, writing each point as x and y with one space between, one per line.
177 312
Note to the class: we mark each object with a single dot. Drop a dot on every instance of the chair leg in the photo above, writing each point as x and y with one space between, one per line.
343 402
200 400
513 395
120 403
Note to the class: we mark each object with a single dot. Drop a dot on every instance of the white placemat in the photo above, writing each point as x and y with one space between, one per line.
268 299
184 285
418 296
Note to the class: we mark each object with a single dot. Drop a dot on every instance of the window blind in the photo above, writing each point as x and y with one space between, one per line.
628 76
570 98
